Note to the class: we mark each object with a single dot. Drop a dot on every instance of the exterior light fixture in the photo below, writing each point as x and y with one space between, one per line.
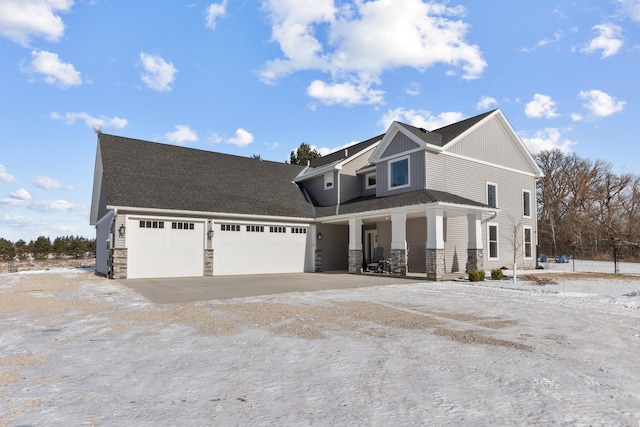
210 234
319 236
122 230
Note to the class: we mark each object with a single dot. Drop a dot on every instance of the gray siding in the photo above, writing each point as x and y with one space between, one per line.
384 237
468 179
491 143
103 229
334 246
416 177
351 184
399 144
315 187
455 245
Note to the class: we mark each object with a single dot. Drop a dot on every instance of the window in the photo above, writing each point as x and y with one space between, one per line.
492 194
370 181
328 180
527 242
151 224
255 228
229 227
298 230
526 203
399 173
183 225
275 229
492 232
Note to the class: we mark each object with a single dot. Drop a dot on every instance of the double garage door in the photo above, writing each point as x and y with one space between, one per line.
175 248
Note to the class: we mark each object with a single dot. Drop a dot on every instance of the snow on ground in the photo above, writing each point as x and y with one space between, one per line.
76 349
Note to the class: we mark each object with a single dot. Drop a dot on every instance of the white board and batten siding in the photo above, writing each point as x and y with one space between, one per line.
260 248
163 247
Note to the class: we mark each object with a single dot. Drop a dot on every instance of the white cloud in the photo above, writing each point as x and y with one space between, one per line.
576 117
70 118
420 118
541 106
6 176
55 72
413 89
631 8
599 103
547 139
344 93
609 40
158 74
20 20
43 205
557 36
49 183
486 102
214 11
358 41
181 135
242 138
20 194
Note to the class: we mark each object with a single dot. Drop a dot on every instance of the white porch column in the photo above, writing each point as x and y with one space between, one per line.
435 244
355 245
475 251
399 244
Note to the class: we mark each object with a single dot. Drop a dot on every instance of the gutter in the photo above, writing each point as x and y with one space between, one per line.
201 214
338 196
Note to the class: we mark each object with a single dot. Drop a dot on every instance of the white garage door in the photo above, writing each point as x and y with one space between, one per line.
164 248
258 249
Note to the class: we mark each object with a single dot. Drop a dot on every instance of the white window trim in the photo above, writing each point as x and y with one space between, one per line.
486 193
366 181
530 204
524 242
396 160
329 182
489 225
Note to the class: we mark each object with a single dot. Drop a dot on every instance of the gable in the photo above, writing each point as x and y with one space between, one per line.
400 143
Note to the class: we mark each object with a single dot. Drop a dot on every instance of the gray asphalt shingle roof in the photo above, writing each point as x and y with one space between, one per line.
146 174
341 155
410 198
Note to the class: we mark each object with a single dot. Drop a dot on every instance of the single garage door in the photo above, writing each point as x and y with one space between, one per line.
258 249
164 248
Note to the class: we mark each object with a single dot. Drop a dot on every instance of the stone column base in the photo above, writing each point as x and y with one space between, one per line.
120 256
208 262
399 262
355 261
318 261
475 259
435 264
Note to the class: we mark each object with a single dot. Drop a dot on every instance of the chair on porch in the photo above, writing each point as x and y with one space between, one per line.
377 263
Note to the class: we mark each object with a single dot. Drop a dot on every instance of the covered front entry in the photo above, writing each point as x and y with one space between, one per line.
432 239
160 247
251 248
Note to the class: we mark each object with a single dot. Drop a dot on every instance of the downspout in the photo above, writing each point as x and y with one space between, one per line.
112 244
338 196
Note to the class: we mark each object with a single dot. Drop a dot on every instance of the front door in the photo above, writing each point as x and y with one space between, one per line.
370 243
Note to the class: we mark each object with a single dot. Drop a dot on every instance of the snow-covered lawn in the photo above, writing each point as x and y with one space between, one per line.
76 349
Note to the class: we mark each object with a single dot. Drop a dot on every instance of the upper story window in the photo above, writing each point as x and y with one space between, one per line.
526 203
328 180
492 194
370 181
399 173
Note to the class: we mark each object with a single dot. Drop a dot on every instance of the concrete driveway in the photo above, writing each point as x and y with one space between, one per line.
191 289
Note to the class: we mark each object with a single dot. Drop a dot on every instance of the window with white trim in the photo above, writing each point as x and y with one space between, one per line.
328 180
370 180
399 170
492 237
492 194
183 226
255 228
229 227
526 203
298 230
527 242
277 229
151 224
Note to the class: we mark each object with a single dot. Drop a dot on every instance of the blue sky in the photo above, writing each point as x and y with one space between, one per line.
260 77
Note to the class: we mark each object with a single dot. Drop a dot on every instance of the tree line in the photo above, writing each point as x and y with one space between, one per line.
587 208
42 247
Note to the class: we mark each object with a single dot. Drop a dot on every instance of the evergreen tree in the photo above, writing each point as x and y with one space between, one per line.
7 250
41 248
303 155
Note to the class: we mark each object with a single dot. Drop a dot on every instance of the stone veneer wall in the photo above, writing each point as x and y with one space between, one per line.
318 260
355 261
120 263
208 262
435 264
399 262
475 259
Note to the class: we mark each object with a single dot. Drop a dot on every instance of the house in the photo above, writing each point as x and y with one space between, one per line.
453 199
